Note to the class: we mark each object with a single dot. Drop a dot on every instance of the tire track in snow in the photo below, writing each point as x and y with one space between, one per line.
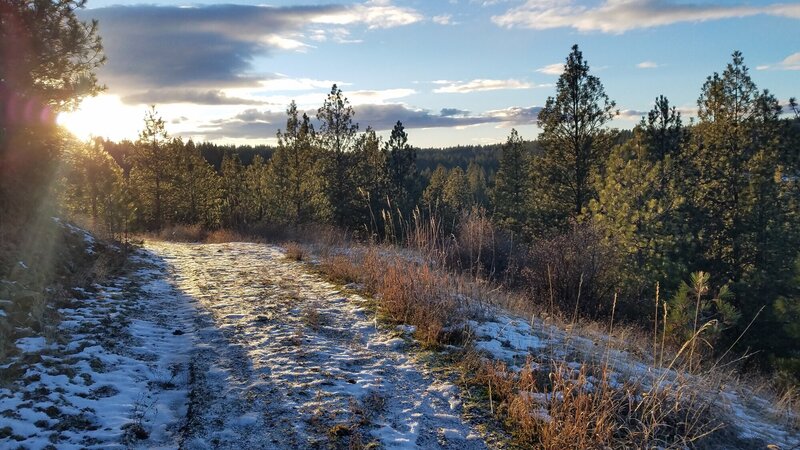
283 359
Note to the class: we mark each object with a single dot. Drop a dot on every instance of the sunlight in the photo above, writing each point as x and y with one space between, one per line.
103 116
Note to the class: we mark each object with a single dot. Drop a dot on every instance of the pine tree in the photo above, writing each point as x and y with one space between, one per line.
401 163
512 186
337 134
371 178
433 196
295 186
575 143
233 191
642 202
150 164
693 311
476 182
257 190
749 231
195 186
93 186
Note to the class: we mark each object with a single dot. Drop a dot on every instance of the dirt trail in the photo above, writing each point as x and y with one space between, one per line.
282 359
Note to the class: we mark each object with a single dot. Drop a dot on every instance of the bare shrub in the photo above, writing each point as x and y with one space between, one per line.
573 272
483 250
312 317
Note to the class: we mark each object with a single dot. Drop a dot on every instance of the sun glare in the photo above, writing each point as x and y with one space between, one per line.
103 116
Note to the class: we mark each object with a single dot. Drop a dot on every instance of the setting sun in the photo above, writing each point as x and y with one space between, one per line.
103 116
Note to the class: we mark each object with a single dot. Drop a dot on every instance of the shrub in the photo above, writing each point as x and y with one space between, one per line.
294 251
573 272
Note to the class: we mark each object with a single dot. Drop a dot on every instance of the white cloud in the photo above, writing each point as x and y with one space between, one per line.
482 85
444 19
374 14
647 65
791 62
377 97
619 16
284 43
338 35
552 69
286 83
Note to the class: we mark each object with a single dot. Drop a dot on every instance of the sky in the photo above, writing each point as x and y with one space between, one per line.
455 72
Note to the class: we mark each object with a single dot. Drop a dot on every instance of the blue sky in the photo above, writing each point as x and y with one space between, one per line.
455 72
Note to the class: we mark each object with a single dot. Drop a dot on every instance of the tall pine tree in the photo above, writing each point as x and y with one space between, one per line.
575 141
337 134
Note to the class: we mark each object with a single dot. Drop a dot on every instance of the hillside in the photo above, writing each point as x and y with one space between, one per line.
235 346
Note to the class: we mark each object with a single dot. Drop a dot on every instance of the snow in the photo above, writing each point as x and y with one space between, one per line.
82 394
515 341
233 346
226 346
31 344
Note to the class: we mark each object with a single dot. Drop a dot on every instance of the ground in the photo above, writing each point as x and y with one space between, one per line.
235 346
227 346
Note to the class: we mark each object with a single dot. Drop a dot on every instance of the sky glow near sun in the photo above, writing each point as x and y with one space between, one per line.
456 72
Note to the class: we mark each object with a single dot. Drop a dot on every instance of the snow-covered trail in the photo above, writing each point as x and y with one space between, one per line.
282 359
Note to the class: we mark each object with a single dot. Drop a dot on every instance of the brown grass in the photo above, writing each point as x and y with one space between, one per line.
312 317
558 408
224 235
294 251
340 269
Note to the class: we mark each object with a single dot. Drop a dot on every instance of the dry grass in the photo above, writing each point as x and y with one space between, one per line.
340 268
182 233
294 251
559 407
222 236
312 317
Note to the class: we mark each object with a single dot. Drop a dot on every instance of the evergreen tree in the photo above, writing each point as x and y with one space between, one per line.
295 185
476 182
195 186
401 163
371 178
337 134
575 143
455 197
642 202
150 164
93 186
749 231
433 196
234 191
257 190
512 186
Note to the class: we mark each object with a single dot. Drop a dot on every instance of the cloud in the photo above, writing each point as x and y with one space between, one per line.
202 97
552 69
478 85
449 112
214 46
619 16
377 96
255 124
791 62
444 19
647 65
339 35
374 14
